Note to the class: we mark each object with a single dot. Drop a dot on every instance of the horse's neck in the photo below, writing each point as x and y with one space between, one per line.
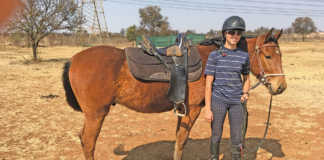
205 51
251 45
255 70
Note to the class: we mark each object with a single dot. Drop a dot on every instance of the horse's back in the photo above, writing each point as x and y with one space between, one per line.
93 73
99 54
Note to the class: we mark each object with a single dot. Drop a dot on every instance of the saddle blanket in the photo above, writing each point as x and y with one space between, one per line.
145 67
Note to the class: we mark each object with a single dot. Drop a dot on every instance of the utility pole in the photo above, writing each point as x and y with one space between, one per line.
96 23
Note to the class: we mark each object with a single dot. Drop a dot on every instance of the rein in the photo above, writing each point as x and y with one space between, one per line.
262 77
265 130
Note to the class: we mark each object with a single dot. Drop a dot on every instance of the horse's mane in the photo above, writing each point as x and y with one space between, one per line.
218 42
271 39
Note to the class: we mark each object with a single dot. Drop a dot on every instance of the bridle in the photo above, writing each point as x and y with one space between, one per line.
262 77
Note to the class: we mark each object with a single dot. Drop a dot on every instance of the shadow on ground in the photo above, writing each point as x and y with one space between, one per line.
197 149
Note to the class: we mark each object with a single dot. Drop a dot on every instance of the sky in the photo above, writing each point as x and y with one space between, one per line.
203 15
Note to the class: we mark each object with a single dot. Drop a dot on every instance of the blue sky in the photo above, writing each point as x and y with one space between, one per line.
204 15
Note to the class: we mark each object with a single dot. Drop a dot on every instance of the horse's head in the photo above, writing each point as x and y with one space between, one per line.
265 58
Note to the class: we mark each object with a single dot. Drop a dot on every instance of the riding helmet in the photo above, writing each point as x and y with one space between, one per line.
234 23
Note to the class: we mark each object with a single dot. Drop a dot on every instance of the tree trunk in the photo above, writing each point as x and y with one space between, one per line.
303 37
34 45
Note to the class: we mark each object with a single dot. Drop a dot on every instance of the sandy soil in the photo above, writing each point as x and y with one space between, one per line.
37 123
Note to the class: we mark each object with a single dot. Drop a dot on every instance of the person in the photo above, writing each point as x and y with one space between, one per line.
225 90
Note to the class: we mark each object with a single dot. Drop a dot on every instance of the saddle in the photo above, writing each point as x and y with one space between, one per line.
171 64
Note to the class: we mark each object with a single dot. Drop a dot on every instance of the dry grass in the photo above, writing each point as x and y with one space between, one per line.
36 122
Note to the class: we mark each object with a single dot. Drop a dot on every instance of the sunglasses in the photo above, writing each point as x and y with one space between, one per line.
232 32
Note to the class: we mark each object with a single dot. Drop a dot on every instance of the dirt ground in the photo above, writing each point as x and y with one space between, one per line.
37 123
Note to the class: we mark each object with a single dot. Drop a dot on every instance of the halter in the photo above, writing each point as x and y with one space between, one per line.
262 77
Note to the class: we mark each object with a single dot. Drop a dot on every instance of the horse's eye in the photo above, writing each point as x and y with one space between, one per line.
268 57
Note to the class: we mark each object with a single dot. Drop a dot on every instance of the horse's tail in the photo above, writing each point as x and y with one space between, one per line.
70 97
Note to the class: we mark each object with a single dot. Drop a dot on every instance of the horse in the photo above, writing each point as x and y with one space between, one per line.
98 77
8 8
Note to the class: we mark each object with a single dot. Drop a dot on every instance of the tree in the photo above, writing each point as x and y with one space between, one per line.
249 33
261 30
190 31
211 33
122 32
165 29
152 21
288 30
131 33
39 18
304 26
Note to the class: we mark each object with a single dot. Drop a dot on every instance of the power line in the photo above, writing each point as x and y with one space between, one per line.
264 2
214 9
239 6
253 9
317 1
295 2
279 3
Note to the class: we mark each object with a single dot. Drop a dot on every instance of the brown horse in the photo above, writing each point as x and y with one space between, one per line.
7 8
98 77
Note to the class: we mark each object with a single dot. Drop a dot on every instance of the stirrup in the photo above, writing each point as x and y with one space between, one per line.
176 109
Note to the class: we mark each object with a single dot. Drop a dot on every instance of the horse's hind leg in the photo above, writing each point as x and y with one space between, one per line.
91 129
183 129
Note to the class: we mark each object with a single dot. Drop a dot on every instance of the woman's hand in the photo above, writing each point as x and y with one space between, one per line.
244 97
209 115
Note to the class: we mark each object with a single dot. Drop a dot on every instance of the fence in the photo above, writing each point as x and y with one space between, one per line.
164 41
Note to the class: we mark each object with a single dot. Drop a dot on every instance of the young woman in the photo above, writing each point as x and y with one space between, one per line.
225 89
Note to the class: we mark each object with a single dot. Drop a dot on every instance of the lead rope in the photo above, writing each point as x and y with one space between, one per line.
245 120
265 131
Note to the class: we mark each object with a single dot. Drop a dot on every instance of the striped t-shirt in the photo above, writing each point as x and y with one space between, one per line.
227 66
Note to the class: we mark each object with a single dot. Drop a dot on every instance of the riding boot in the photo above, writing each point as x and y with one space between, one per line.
214 151
236 152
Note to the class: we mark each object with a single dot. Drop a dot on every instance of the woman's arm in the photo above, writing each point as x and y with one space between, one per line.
246 88
208 94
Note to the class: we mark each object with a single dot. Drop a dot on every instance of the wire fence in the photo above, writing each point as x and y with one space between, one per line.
88 40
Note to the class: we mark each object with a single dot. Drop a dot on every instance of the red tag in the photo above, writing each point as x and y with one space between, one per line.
224 54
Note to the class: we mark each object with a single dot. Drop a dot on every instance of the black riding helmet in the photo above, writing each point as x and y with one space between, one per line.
234 23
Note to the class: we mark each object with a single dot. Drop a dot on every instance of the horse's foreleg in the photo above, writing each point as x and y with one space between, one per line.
90 132
183 129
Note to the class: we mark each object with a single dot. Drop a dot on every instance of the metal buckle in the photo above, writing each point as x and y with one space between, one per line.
176 112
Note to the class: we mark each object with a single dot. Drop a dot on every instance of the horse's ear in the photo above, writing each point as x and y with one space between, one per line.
278 34
268 35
